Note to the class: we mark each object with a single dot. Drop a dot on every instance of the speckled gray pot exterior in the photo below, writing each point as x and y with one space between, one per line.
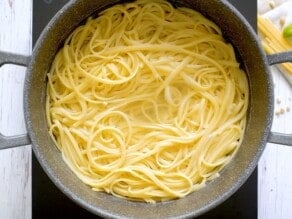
260 113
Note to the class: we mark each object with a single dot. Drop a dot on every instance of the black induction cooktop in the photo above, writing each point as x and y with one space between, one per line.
49 202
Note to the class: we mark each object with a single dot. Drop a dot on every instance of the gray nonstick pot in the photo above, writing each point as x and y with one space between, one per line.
258 131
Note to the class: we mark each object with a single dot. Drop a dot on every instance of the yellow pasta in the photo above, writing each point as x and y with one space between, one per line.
147 102
273 41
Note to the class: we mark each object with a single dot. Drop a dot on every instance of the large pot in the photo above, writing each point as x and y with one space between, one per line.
258 131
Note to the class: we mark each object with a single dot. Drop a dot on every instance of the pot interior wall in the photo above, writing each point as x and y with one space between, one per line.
234 174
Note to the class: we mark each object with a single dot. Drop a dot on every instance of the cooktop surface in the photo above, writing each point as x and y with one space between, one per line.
49 202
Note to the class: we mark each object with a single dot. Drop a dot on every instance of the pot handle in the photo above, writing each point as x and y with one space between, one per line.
280 138
10 58
13 141
275 137
279 58
18 140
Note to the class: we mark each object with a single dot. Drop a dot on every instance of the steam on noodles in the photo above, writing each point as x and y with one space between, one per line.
146 101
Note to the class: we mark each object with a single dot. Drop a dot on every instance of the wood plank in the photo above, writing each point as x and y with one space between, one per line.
275 166
15 164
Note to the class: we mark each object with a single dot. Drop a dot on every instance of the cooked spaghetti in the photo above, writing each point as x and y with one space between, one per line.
147 101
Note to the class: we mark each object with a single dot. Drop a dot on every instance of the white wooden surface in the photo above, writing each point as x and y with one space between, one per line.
15 164
275 166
